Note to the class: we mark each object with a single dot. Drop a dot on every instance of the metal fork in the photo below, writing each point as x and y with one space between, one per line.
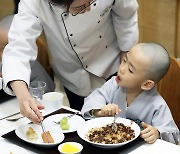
70 116
114 125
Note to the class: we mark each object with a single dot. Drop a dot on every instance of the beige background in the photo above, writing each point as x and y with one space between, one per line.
6 7
159 21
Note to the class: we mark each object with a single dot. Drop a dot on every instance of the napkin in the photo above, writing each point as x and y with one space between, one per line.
7 126
7 148
9 107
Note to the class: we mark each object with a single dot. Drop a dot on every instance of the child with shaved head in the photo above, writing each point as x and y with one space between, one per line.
132 94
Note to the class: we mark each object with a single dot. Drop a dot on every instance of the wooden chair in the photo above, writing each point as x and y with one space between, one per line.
169 88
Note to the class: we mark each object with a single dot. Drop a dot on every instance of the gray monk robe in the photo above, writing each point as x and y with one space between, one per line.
148 107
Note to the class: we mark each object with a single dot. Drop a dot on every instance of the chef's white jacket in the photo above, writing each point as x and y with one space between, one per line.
84 48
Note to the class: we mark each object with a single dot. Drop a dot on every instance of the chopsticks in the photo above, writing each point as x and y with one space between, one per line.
70 116
44 131
42 126
10 115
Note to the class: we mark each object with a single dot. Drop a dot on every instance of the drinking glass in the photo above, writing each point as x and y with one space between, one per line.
37 89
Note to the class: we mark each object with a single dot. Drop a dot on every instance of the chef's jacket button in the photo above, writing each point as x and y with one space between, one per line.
98 22
82 57
106 46
65 14
94 4
100 36
74 45
86 66
71 34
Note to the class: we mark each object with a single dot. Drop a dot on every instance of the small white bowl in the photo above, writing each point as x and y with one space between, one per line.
74 144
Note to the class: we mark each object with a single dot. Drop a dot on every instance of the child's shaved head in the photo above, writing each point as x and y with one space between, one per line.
159 60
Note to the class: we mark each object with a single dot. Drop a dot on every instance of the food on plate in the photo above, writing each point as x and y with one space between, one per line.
105 135
31 134
64 123
69 148
65 127
47 138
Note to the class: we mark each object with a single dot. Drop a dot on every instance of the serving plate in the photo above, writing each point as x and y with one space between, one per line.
102 121
57 135
73 122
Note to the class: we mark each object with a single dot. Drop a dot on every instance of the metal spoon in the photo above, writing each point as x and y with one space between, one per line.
14 119
114 125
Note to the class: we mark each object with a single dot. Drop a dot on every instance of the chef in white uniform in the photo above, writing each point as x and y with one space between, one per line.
85 39
132 94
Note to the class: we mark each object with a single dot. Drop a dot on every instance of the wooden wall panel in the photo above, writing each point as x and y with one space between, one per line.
177 48
6 7
157 22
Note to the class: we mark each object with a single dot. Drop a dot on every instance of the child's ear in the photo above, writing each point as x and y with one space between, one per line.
147 85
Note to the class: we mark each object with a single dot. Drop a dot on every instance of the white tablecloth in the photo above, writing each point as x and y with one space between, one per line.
159 147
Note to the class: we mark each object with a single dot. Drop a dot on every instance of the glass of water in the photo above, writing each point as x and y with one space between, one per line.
37 89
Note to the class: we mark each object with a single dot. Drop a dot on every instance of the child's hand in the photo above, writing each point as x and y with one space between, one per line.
110 110
150 134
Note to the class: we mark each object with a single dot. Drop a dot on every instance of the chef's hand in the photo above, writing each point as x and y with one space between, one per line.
29 107
107 110
150 134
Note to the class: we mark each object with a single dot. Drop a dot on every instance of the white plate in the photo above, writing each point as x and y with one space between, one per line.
57 135
99 122
73 122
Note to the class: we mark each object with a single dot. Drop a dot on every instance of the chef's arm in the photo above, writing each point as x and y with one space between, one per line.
29 107
125 21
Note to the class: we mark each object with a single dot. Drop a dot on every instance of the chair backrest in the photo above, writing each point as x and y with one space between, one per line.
43 57
169 88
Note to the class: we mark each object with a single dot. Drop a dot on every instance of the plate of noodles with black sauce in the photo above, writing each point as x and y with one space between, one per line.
99 132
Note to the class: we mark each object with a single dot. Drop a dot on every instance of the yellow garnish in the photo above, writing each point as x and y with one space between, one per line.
67 148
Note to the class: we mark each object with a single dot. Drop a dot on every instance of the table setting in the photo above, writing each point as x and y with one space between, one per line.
68 137
15 137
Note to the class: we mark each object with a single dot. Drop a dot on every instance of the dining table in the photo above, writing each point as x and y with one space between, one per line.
9 139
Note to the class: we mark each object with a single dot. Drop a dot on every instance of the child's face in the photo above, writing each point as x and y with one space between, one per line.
132 70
